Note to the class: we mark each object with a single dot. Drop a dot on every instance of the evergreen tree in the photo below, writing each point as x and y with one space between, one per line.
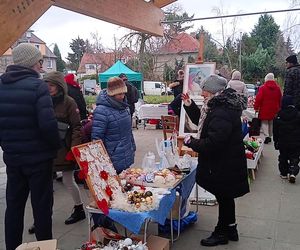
60 64
257 65
78 46
266 32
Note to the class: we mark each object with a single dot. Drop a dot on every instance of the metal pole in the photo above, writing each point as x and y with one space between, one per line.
240 55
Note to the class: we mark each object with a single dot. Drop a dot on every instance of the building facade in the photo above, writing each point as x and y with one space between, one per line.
28 37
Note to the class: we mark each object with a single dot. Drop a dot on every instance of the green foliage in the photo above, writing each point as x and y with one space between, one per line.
153 99
265 32
210 53
169 73
90 77
156 99
177 27
78 46
257 65
60 64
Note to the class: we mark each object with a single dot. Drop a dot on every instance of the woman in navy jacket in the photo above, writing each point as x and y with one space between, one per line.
112 124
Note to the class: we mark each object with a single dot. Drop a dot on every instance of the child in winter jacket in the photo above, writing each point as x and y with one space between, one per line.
286 132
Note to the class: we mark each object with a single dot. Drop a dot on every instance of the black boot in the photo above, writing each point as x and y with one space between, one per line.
218 237
233 233
77 215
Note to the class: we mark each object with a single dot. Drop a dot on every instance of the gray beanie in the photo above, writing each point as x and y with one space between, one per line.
214 84
25 54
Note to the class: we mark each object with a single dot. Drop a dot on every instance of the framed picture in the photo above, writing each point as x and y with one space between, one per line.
192 84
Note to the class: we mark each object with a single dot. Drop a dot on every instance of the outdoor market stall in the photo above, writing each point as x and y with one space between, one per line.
143 201
135 78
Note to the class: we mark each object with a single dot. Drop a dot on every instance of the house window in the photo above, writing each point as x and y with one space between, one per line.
37 46
90 66
49 64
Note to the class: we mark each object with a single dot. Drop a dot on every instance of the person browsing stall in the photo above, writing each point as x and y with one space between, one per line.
112 124
67 113
267 104
222 165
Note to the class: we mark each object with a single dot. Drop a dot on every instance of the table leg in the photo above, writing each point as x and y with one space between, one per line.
145 229
89 224
171 224
197 198
253 173
179 218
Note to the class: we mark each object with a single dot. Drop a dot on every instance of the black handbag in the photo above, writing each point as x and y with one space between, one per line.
63 129
254 127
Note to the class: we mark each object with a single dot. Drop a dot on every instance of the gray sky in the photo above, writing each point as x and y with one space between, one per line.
61 26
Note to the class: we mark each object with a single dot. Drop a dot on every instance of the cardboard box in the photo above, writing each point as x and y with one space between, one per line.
39 245
158 243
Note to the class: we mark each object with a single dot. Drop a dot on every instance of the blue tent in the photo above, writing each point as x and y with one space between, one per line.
116 70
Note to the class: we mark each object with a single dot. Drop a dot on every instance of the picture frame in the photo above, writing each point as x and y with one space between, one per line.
192 84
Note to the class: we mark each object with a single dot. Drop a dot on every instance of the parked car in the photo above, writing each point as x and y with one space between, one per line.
156 88
251 89
90 87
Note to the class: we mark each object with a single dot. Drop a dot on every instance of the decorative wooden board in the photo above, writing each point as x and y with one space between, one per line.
98 171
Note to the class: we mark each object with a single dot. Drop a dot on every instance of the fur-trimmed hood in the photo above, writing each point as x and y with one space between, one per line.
228 98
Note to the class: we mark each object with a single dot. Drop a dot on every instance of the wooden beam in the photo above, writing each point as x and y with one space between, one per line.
134 14
163 3
17 16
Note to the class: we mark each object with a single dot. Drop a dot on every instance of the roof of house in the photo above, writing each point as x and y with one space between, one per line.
104 60
181 43
32 38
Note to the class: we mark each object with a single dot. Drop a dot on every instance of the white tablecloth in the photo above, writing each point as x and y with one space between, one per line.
152 111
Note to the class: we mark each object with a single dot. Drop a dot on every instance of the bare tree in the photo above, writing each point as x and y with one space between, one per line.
95 42
291 26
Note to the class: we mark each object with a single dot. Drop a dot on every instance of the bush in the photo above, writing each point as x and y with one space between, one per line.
156 99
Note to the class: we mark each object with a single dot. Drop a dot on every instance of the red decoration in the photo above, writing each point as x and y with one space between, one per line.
76 152
82 175
104 175
84 170
103 205
108 191
84 164
70 156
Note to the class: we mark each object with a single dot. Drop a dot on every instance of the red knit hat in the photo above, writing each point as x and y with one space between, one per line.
116 86
70 79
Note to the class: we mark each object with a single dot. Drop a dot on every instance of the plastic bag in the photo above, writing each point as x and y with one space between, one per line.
149 161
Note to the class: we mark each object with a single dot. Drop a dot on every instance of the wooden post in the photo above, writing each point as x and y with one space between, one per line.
201 49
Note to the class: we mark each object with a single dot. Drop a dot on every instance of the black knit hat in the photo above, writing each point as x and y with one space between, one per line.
292 59
123 76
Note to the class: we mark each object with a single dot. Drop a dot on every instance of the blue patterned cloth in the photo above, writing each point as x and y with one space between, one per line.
134 221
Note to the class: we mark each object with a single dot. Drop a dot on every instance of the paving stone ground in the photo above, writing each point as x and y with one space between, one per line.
268 217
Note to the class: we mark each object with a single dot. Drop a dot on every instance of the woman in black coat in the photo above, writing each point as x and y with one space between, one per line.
222 165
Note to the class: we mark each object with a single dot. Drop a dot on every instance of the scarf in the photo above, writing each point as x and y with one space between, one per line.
203 113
